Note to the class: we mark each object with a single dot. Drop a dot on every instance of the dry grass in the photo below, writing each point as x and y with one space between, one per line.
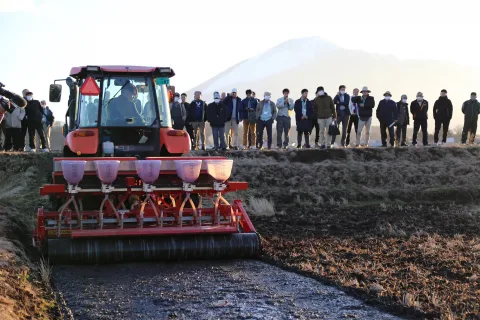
23 290
260 207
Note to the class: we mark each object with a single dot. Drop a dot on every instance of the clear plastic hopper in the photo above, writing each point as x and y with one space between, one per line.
220 170
148 171
107 171
73 172
188 171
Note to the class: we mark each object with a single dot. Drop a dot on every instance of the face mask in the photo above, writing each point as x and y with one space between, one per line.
267 98
419 99
29 98
320 93
175 99
216 100
387 98
404 100
342 92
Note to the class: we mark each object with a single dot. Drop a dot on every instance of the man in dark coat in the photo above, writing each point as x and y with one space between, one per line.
342 103
403 120
303 117
34 113
419 111
234 117
196 116
471 109
353 119
178 113
442 113
217 116
249 109
366 104
387 116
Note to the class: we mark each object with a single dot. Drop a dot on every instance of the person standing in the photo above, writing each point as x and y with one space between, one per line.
266 114
234 116
48 120
284 118
387 115
178 113
419 111
249 109
326 113
24 123
196 116
342 102
442 113
303 117
13 125
471 109
188 126
366 104
217 116
34 113
353 119
403 120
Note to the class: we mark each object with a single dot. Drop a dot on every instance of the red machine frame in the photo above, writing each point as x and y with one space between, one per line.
159 218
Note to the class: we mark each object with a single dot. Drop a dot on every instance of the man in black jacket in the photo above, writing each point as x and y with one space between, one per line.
442 113
366 104
419 111
403 120
24 123
217 116
387 115
196 116
471 109
34 112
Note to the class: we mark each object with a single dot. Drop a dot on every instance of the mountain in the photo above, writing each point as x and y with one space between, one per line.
312 62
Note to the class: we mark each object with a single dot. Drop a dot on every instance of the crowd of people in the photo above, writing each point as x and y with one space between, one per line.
328 116
35 119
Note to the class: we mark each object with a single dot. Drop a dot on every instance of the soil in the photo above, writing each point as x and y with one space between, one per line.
242 289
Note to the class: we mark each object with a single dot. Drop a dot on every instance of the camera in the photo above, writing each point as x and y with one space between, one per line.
9 100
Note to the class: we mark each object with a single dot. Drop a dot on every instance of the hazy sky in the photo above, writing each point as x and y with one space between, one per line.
43 39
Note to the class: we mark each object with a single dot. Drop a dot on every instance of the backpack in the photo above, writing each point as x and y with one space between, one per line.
50 117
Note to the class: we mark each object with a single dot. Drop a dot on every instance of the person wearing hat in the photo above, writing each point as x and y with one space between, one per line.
303 118
353 119
234 116
387 115
471 109
178 113
196 116
403 120
266 114
326 114
249 116
284 118
419 111
34 114
188 126
217 116
342 102
366 104
442 113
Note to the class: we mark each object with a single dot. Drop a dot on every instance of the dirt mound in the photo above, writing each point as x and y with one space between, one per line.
22 295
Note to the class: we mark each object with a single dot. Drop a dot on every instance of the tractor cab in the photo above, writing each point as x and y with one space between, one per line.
120 111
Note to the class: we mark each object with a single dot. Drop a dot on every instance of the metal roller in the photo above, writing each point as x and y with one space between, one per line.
114 250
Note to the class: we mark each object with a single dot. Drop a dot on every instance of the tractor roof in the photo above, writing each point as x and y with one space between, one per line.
122 70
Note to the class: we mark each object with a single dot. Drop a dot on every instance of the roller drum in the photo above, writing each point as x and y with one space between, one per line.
114 250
